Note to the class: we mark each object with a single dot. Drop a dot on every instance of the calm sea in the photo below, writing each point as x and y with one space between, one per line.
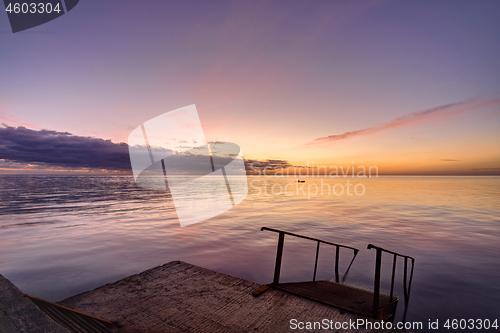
62 235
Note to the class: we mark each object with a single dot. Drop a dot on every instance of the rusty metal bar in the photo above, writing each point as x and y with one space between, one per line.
376 288
73 320
337 264
279 255
350 264
393 273
316 262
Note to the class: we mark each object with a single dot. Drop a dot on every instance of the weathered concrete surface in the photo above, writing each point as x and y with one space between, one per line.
180 297
19 314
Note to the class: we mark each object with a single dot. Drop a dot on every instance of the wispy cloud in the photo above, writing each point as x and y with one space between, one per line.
6 120
448 160
414 117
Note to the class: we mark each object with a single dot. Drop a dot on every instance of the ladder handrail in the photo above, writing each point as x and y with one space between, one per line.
370 246
406 288
314 239
279 254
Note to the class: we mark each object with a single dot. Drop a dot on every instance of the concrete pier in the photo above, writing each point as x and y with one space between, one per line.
175 297
180 297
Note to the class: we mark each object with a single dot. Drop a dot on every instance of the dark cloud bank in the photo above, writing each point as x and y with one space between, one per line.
62 149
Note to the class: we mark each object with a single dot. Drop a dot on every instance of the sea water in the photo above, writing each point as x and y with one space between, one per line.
62 235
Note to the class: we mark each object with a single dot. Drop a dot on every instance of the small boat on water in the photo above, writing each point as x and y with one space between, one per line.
301 181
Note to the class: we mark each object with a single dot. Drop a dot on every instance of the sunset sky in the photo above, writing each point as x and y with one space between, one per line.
412 87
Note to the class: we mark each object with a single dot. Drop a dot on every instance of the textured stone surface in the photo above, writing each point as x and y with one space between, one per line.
19 314
180 297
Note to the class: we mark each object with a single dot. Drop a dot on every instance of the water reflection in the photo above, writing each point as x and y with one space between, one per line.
63 235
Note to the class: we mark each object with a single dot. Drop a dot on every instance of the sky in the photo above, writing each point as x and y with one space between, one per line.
412 87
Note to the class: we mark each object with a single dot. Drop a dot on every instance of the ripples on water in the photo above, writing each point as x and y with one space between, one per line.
63 235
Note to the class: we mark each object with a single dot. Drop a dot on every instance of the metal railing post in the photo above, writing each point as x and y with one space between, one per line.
405 291
337 264
393 273
316 262
279 255
376 291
